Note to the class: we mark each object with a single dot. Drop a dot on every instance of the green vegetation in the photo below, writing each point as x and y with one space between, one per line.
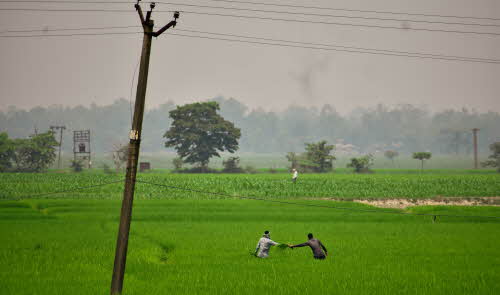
361 164
232 165
382 184
198 133
422 156
494 158
77 166
405 128
33 154
391 154
202 247
316 158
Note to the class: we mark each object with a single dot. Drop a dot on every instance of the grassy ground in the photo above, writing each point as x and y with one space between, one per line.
202 247
277 186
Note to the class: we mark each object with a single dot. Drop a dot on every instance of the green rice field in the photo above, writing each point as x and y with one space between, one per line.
276 186
191 243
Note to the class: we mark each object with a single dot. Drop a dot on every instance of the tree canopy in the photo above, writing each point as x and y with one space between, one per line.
319 154
32 154
422 156
494 158
198 133
317 157
6 152
372 129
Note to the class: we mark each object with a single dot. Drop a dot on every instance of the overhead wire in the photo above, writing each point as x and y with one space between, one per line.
260 18
281 12
271 4
270 42
333 49
47 29
70 35
250 37
339 46
340 23
328 15
355 10
313 205
71 190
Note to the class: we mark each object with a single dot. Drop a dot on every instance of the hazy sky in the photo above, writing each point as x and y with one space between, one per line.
85 69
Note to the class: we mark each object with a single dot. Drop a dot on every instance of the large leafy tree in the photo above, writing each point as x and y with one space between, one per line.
361 164
198 133
36 153
422 156
6 152
317 158
494 158
391 154
319 154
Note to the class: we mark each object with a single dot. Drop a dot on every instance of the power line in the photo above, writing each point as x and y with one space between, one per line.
271 4
257 38
283 12
62 191
340 24
331 15
68 2
356 10
67 29
71 35
341 46
333 49
314 205
259 18
313 45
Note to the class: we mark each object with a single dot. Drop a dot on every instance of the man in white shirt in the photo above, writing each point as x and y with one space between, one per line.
295 175
265 243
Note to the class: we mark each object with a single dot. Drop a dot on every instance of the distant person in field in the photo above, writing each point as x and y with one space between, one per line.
318 249
295 175
265 243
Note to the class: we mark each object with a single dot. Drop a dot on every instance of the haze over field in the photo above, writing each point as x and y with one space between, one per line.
81 70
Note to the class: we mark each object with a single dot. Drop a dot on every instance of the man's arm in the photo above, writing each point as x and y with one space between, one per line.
299 245
257 248
322 246
273 243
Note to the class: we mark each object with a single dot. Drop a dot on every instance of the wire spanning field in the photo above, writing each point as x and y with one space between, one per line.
276 186
203 247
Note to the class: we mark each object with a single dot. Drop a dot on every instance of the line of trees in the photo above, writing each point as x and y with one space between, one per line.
33 154
403 128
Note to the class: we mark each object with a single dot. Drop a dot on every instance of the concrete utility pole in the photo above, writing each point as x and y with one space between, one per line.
133 148
476 164
61 128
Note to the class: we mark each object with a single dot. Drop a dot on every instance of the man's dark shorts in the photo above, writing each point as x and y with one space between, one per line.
319 257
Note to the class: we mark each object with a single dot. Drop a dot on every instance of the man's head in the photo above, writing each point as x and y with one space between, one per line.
267 234
294 169
310 236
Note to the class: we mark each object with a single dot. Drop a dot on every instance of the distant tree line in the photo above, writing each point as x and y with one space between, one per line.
403 128
33 154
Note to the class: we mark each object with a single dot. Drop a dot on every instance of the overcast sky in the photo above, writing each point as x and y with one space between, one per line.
85 69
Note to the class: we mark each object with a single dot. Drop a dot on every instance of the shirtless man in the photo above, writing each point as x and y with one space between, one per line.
319 251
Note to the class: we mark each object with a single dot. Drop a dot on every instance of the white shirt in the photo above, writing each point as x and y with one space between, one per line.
263 247
295 174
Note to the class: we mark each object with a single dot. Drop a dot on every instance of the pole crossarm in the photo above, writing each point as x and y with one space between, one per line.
166 27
